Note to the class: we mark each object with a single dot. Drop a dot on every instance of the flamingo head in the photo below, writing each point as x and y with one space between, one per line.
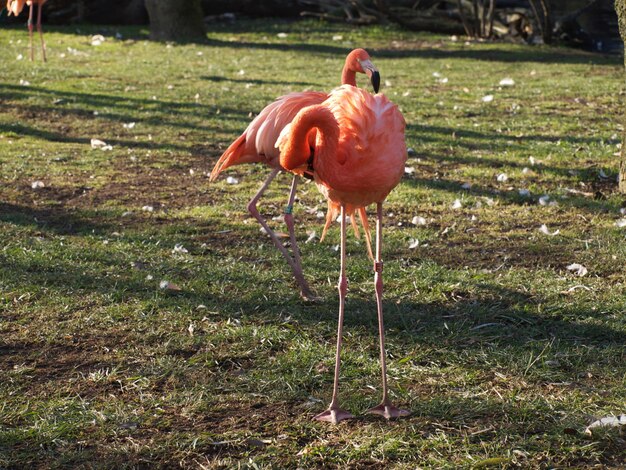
359 61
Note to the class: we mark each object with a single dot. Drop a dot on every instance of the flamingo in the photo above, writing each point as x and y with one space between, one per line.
257 144
15 7
356 159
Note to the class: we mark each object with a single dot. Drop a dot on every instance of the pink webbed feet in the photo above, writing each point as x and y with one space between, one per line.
388 411
333 415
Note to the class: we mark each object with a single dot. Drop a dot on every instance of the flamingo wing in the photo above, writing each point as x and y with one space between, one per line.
257 143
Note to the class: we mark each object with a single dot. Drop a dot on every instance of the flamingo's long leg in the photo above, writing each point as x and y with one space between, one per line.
292 237
385 408
296 269
43 44
334 414
30 31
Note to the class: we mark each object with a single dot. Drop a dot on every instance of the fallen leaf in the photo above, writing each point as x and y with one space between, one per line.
544 229
577 269
502 177
148 208
507 82
418 220
167 285
37 184
621 223
232 180
97 39
100 144
457 204
413 243
487 99
575 288
606 422
179 248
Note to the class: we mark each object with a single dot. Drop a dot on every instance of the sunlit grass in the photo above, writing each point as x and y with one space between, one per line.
503 355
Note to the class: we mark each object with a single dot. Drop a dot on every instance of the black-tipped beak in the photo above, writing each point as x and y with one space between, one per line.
375 79
372 73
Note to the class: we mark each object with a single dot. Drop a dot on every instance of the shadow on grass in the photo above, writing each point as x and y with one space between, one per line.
169 114
57 221
513 196
475 53
218 79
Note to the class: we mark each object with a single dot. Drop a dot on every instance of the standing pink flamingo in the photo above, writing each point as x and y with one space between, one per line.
15 7
357 158
257 144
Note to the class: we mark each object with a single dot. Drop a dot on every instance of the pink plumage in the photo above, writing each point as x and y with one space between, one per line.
358 158
367 160
257 144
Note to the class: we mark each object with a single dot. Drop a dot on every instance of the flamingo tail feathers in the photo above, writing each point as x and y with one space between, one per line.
232 156
331 215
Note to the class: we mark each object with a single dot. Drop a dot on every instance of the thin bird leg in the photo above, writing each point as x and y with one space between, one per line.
43 44
385 408
334 414
288 216
305 291
30 31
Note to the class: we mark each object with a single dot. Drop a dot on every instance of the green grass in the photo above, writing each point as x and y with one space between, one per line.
502 355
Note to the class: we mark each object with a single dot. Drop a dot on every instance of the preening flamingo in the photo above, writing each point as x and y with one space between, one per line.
15 7
257 144
357 158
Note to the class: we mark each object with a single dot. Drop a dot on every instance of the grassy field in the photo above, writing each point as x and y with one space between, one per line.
503 355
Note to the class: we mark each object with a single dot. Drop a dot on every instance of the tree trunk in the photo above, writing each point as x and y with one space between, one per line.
548 23
176 20
463 19
620 8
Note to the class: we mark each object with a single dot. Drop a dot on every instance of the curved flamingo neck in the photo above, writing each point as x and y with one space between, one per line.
352 66
348 75
295 151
